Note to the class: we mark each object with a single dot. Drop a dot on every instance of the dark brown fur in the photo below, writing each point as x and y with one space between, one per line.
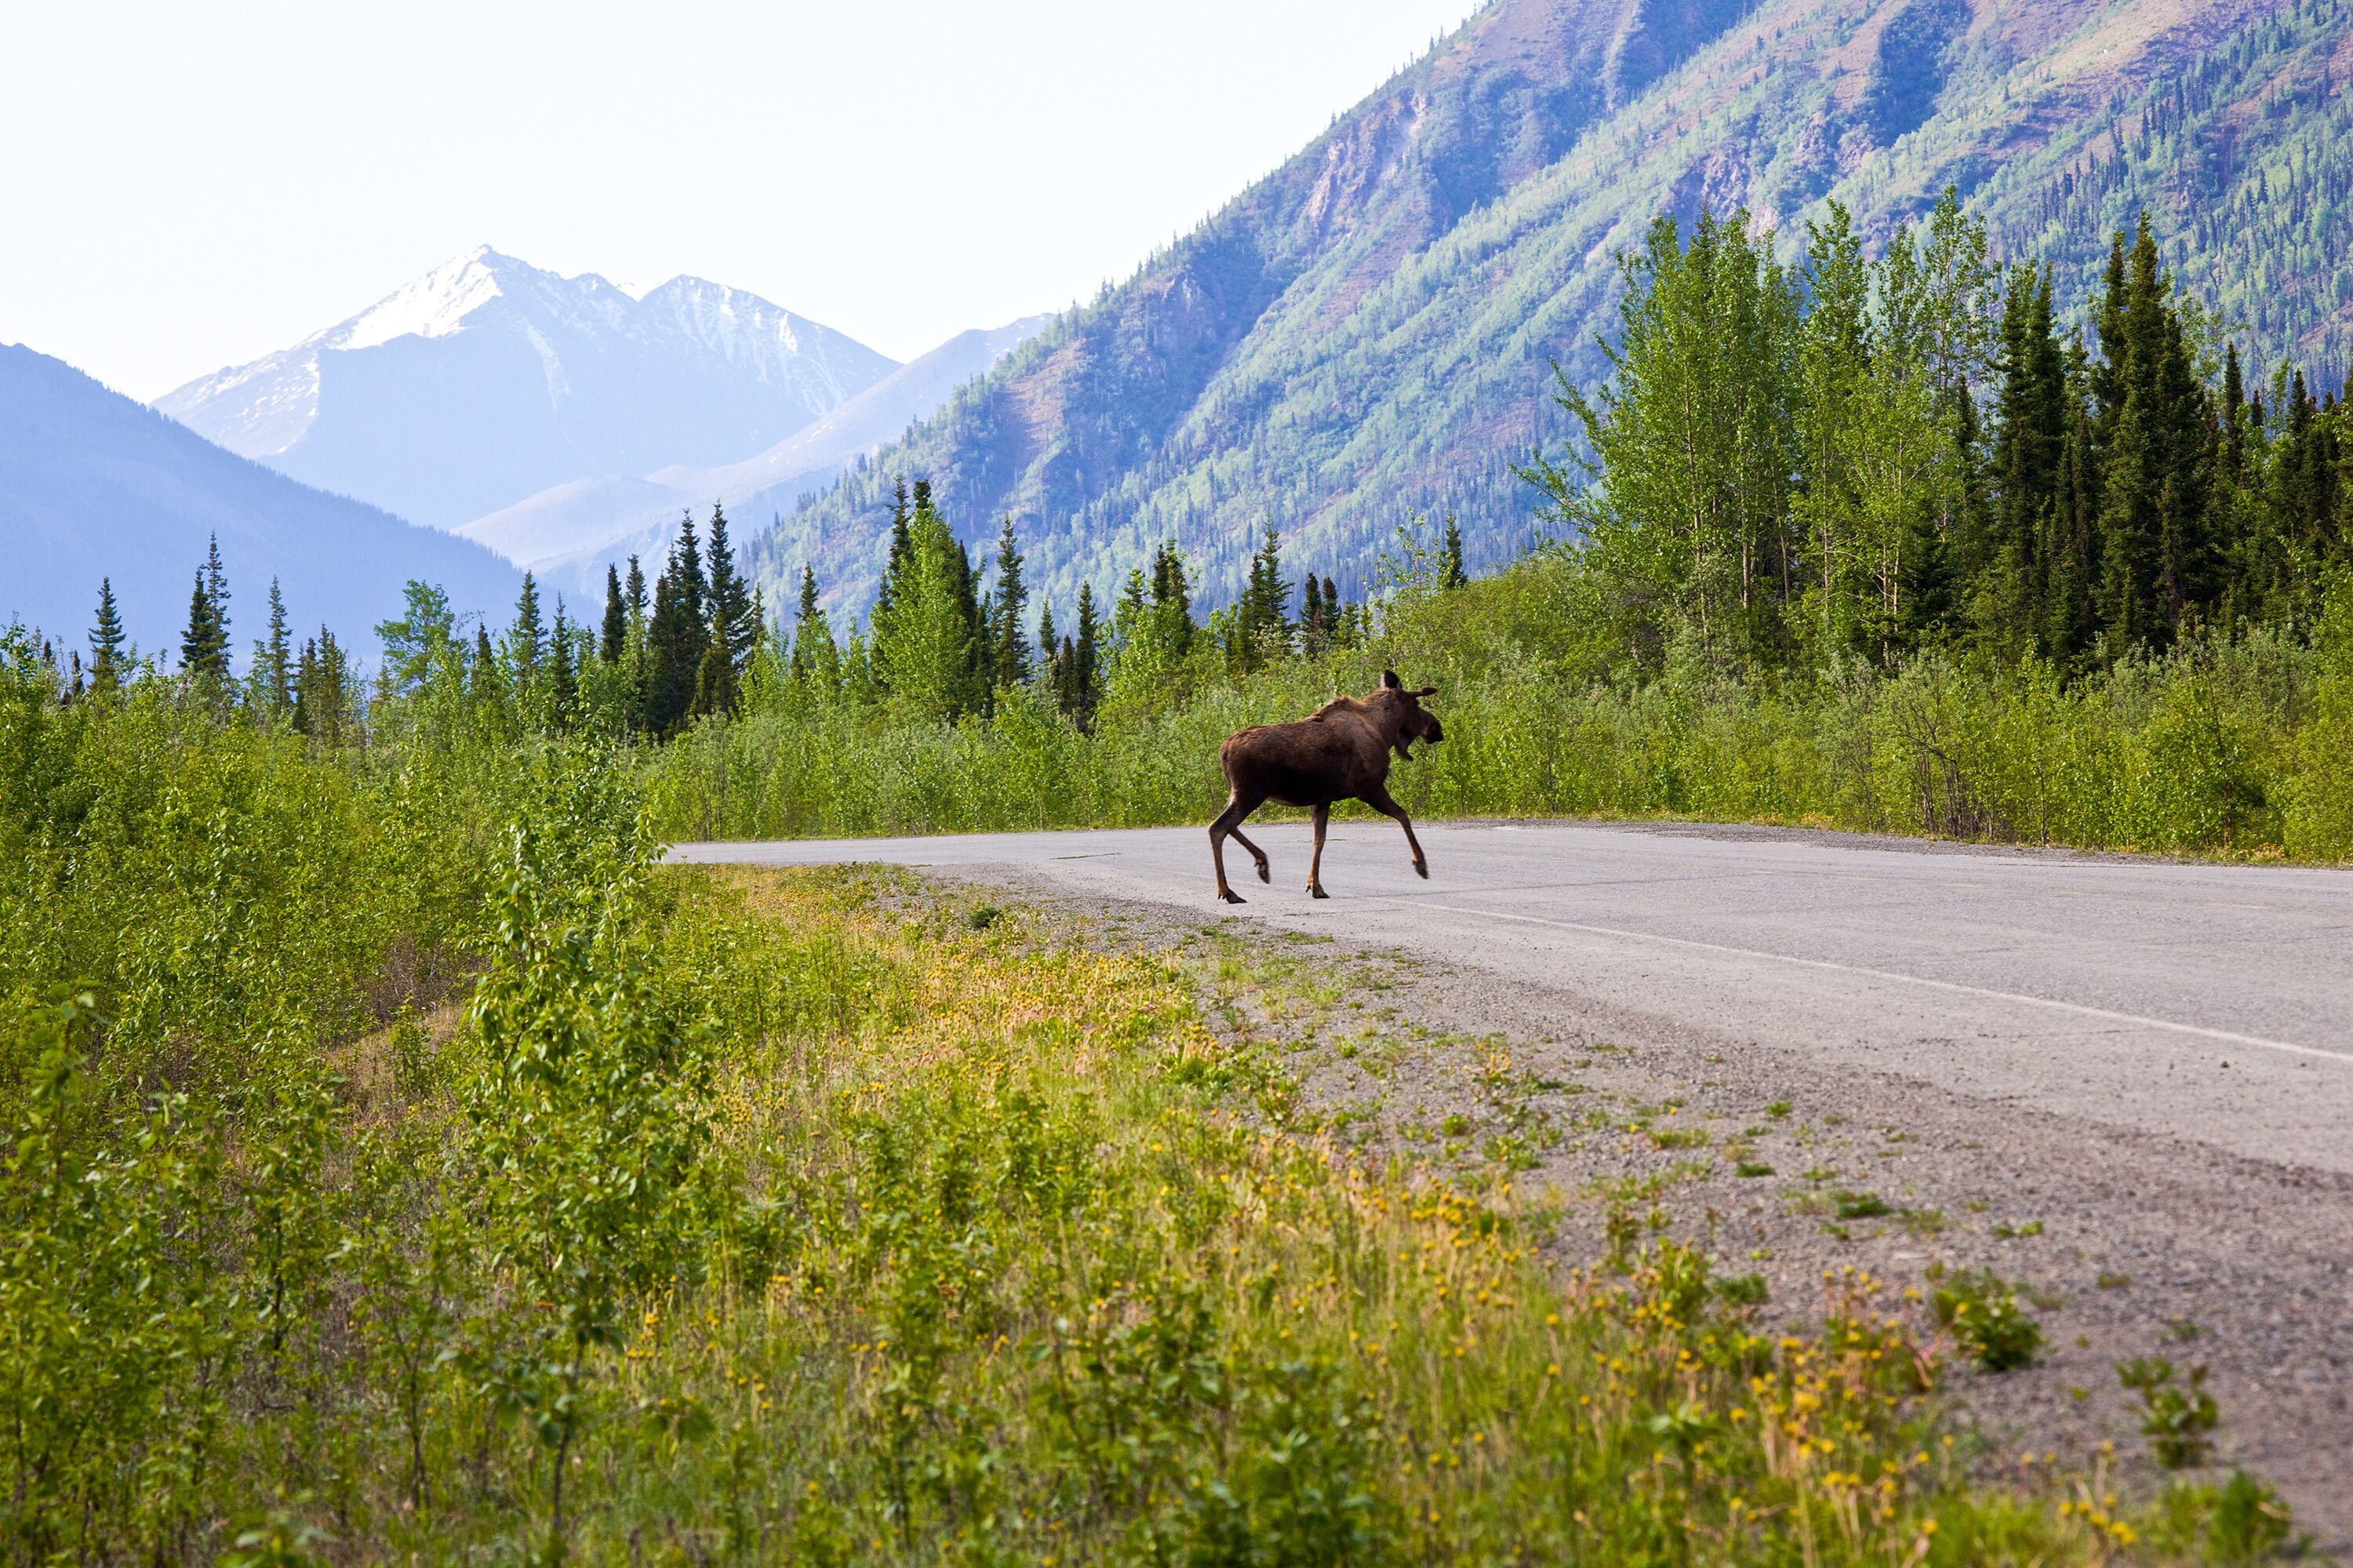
1340 754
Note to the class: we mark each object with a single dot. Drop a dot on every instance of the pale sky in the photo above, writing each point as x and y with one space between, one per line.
195 183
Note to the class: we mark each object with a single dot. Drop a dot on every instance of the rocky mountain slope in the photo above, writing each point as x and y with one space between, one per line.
1367 332
93 485
487 380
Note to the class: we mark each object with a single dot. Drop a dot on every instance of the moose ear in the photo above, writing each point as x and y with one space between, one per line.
1427 692
1389 679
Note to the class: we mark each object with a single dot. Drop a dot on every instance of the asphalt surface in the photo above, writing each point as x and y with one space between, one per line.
2209 1004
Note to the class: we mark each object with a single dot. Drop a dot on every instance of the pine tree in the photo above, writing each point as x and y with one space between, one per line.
527 641
677 636
734 611
273 658
816 659
1049 651
563 671
2028 444
204 645
106 642
637 597
216 591
1261 624
483 682
1450 571
1011 655
1086 680
616 632
927 647
902 549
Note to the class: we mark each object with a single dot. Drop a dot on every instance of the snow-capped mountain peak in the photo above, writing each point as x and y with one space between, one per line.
488 379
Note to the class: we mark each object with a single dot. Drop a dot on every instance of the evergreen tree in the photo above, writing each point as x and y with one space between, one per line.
2029 446
563 671
106 642
273 659
927 646
1011 655
734 609
1086 676
483 682
677 636
216 591
2155 550
902 549
527 641
616 632
1450 566
1049 651
204 646
1261 625
815 657
636 597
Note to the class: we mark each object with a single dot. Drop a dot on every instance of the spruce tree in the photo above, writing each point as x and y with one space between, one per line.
895 566
1011 655
1086 682
563 673
1050 651
216 591
106 642
637 598
527 641
675 638
816 659
483 683
273 658
202 646
1450 571
615 630
734 609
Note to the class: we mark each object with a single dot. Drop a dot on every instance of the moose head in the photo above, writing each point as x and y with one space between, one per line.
1412 721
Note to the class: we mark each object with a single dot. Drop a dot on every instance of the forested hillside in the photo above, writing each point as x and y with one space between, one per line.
1366 333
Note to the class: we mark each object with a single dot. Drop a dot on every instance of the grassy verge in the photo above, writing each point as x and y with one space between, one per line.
1036 1266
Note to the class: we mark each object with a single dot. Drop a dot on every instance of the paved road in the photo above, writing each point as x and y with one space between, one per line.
2204 1002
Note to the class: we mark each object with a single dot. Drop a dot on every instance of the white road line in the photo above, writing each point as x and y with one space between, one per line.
2074 1007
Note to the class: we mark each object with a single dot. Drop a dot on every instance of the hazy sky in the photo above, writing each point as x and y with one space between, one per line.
189 185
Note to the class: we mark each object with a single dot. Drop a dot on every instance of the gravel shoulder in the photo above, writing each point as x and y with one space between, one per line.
2128 1241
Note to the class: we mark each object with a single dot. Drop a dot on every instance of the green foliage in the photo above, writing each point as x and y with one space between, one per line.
2178 1418
1983 1314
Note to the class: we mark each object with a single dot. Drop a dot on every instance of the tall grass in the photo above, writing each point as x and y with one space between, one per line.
2229 746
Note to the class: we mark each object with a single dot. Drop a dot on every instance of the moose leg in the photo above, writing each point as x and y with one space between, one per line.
1379 800
1229 823
1315 861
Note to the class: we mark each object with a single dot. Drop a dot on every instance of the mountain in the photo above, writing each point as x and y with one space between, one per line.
487 380
1368 332
569 533
93 485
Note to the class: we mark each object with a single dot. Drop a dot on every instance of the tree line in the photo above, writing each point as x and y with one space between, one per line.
1855 459
946 639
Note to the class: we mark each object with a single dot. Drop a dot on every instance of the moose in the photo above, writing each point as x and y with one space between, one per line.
1341 752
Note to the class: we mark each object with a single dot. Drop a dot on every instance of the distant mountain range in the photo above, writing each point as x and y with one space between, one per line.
93 485
570 533
489 380
1368 332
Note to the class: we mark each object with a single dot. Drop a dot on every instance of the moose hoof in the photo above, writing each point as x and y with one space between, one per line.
1230 897
1316 891
1265 872
1421 870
